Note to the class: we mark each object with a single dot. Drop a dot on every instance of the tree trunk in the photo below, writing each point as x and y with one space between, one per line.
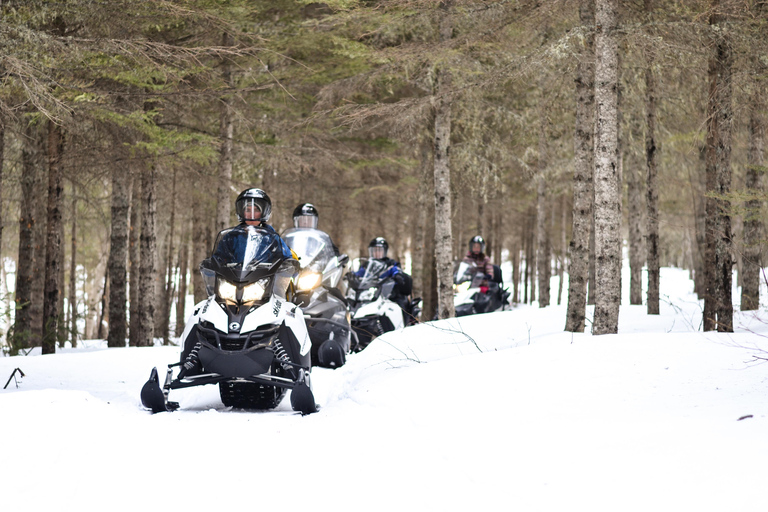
543 257
652 192
2 161
53 240
635 224
563 248
73 272
181 301
147 273
169 287
226 127
718 307
578 270
607 198
443 234
753 225
118 257
32 162
199 248
104 309
420 228
134 257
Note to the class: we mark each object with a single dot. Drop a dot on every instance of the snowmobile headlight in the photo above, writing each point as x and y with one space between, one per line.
368 294
309 280
227 290
255 291
463 287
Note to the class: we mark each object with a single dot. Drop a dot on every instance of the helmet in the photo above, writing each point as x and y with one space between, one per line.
305 216
378 248
477 239
253 197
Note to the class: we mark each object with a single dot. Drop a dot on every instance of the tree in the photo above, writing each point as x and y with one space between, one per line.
718 306
443 236
118 256
607 198
652 193
53 285
582 175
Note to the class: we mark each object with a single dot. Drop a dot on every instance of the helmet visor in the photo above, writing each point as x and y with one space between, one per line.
305 221
377 252
251 209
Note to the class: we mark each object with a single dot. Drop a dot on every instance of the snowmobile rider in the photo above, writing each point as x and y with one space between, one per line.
377 250
306 216
253 208
476 255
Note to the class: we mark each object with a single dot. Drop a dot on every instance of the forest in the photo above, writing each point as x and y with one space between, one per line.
570 134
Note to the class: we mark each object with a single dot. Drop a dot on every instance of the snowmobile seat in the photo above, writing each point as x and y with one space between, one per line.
497 275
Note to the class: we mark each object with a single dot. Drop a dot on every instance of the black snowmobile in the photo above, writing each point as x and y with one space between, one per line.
374 307
246 337
325 309
469 296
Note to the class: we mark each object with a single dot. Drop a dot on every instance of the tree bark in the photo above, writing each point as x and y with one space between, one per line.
607 198
32 162
181 301
420 228
118 257
134 257
652 192
147 273
753 225
543 256
53 240
2 165
635 215
226 127
563 249
578 271
73 272
718 306
443 235
169 286
199 248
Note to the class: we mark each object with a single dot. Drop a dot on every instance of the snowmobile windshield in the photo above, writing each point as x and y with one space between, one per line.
468 272
312 246
373 270
245 250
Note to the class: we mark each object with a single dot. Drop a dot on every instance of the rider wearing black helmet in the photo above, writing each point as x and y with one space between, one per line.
377 250
476 255
253 208
305 215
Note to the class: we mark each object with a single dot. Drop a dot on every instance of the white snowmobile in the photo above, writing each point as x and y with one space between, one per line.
325 309
471 296
246 337
369 297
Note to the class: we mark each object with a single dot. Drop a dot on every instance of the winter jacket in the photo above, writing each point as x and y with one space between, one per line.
482 261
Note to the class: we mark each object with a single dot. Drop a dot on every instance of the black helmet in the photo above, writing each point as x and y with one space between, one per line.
253 197
477 239
305 216
373 248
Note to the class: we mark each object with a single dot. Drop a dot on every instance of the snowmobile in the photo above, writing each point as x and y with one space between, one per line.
246 337
373 311
471 296
324 306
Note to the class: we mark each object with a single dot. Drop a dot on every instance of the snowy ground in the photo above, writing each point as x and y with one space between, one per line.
502 410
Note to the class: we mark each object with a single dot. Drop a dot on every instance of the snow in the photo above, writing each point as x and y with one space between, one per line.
504 410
